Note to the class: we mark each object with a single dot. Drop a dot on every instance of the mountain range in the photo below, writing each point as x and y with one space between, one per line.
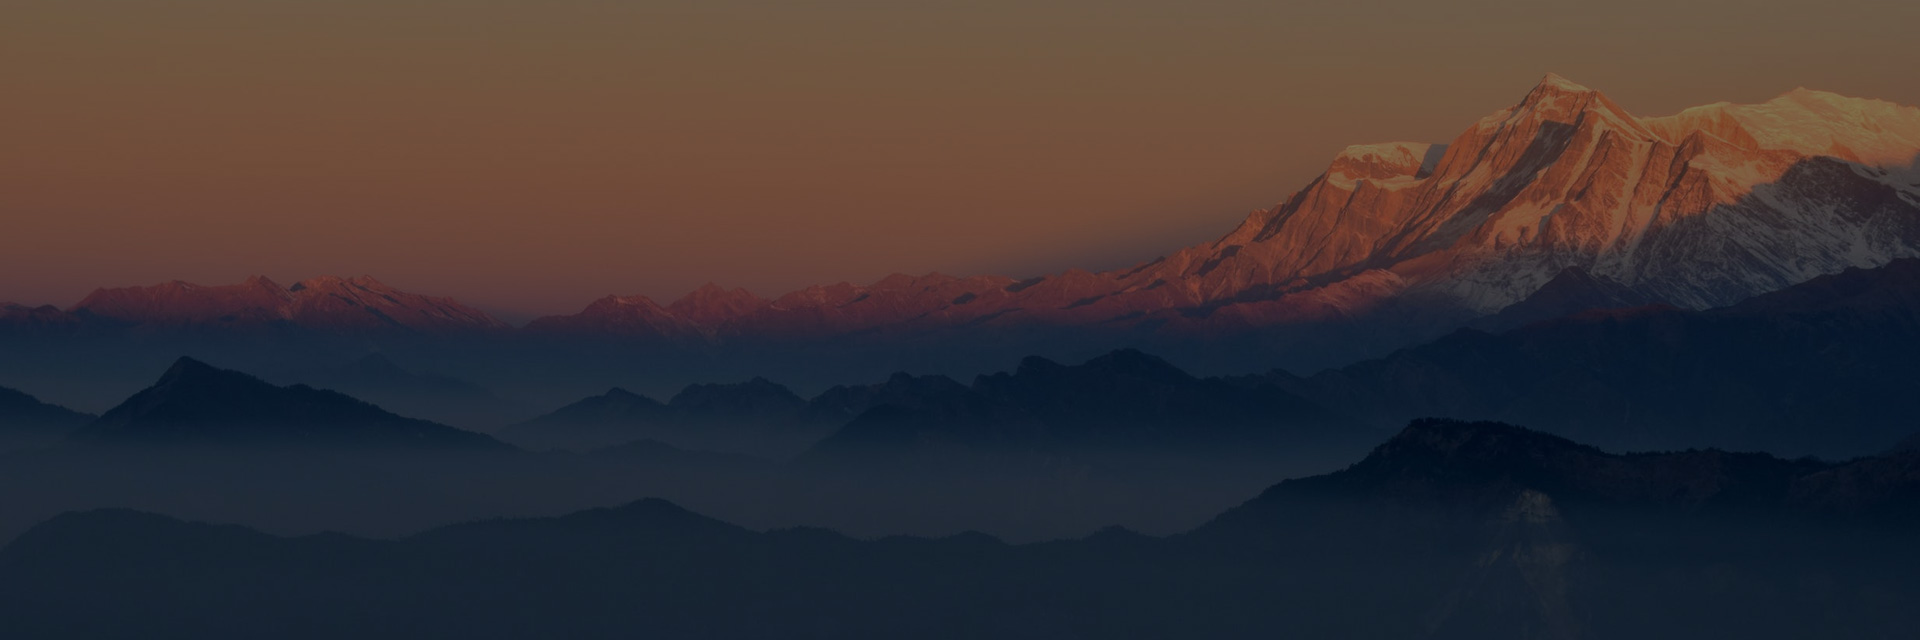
1827 367
1040 449
329 303
1575 373
378 379
1046 449
1819 368
1699 209
1823 367
1121 403
758 417
1447 530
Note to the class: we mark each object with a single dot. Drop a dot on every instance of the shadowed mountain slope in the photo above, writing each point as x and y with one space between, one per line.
758 416
376 378
1827 367
194 403
26 421
1123 402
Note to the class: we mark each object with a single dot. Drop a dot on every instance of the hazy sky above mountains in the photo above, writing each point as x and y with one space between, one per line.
531 156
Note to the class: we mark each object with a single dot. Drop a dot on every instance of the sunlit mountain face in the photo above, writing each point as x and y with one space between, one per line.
1698 209
1561 202
1574 372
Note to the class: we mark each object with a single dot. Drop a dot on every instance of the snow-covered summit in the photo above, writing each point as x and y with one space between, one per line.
1390 163
1700 208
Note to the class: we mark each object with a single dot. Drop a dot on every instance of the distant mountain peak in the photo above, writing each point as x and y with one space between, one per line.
1696 209
1384 163
1556 82
713 291
632 301
1136 362
263 282
1447 439
1559 100
1572 291
363 281
326 303
1895 285
187 368
1036 365
194 403
755 394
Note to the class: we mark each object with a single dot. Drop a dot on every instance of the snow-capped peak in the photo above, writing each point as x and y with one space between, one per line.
1556 82
1385 164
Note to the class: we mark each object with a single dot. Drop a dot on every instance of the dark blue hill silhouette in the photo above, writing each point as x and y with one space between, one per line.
843 403
1477 467
758 416
21 411
26 421
755 398
1122 402
194 403
1826 367
378 379
1448 530
610 418
1571 291
616 405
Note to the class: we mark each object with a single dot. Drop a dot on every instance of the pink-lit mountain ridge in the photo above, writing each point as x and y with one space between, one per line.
1698 209
345 304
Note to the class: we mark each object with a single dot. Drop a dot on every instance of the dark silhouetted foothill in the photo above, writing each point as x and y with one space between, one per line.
194 403
1447 530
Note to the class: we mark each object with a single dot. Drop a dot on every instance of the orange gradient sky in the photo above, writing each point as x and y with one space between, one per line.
527 157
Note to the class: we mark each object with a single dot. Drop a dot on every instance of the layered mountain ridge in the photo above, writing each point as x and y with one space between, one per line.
1448 530
1825 367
